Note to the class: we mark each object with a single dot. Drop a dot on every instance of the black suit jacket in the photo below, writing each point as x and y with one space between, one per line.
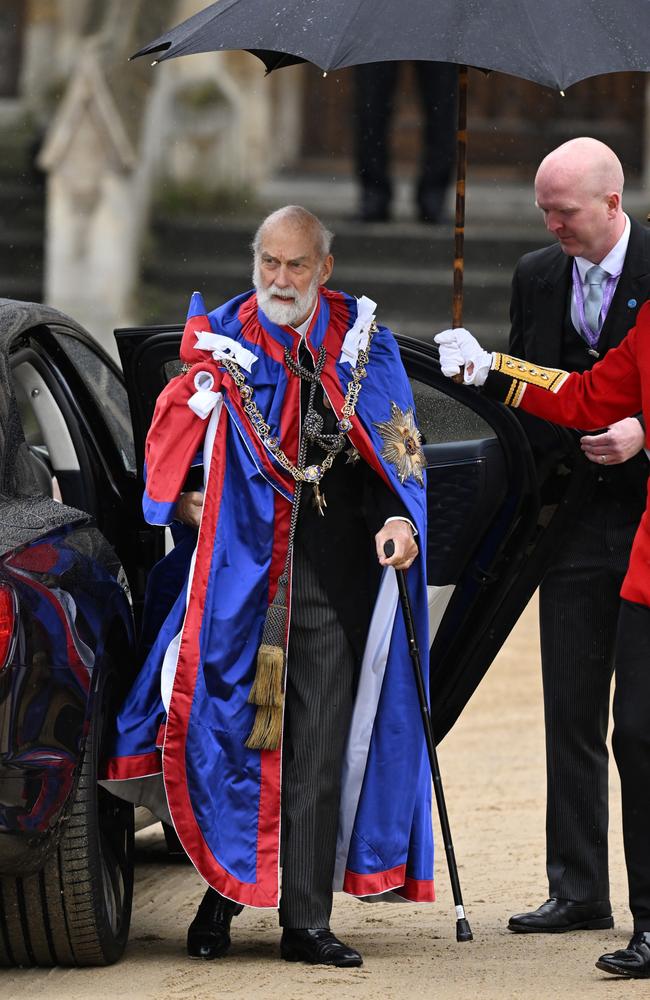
541 287
341 545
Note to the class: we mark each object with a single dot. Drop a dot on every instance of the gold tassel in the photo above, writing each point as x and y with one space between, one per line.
267 691
269 675
266 733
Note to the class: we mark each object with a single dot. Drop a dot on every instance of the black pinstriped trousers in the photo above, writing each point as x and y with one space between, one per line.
631 743
579 606
321 679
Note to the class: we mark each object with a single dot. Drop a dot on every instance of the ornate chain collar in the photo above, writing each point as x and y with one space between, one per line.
312 473
304 373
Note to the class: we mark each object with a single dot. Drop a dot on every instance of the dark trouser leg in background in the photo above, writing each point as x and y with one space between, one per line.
579 606
321 674
438 88
374 101
631 743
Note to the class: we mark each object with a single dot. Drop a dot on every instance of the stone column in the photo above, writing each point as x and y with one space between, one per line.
77 20
39 65
229 125
99 156
89 159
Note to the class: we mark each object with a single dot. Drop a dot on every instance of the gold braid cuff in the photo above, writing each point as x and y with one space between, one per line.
509 377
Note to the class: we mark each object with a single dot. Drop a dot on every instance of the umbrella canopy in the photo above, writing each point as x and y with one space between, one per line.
551 42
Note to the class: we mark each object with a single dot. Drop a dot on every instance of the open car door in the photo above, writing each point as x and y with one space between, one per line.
496 509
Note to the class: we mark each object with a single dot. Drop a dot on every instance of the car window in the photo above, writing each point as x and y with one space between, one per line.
46 432
44 425
173 368
108 391
442 418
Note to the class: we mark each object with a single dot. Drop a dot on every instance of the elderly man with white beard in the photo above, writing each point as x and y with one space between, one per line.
275 715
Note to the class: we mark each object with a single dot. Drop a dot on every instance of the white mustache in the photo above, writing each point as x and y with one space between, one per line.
282 293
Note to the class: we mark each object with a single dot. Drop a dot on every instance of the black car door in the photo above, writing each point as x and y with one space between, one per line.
72 406
496 506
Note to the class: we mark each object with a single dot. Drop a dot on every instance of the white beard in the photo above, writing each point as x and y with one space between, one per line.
295 307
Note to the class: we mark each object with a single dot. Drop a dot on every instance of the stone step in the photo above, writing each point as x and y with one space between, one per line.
22 198
14 163
413 292
21 250
490 199
21 206
19 143
397 244
25 287
405 266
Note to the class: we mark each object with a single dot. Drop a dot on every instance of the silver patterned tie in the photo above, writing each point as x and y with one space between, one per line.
595 276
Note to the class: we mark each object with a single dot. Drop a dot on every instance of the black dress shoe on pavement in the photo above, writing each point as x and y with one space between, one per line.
317 946
632 962
556 916
208 935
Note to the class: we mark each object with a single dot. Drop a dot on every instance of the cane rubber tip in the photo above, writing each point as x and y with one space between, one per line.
463 930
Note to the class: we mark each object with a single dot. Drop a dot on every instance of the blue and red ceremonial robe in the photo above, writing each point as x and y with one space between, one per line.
186 720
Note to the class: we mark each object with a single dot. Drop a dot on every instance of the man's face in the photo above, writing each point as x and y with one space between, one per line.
583 222
287 272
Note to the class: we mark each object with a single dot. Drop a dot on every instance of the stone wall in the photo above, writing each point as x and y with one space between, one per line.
116 131
101 154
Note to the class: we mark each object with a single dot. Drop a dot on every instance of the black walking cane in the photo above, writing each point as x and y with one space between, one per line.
463 930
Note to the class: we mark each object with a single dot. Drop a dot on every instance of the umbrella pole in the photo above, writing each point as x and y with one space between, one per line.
463 929
461 173
459 225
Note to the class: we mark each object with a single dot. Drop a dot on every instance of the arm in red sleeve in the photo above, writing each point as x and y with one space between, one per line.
175 436
597 398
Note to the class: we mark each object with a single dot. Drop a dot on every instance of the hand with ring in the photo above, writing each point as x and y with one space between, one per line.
620 442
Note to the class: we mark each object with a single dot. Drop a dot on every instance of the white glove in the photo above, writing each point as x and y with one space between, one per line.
459 349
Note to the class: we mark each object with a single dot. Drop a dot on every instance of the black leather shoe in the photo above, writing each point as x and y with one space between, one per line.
208 935
556 916
632 962
318 946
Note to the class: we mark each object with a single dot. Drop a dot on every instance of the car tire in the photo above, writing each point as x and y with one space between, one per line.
77 909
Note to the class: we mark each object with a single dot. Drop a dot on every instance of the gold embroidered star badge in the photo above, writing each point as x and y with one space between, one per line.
402 444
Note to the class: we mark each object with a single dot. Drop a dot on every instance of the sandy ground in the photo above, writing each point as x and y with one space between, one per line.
493 771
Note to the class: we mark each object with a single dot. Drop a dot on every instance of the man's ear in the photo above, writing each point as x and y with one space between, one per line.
613 202
326 269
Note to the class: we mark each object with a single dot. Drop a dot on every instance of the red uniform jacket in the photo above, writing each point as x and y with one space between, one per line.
616 387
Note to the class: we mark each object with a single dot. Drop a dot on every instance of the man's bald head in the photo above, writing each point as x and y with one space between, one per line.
588 163
579 189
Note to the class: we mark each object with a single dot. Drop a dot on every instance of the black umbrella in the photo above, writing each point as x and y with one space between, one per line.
552 42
